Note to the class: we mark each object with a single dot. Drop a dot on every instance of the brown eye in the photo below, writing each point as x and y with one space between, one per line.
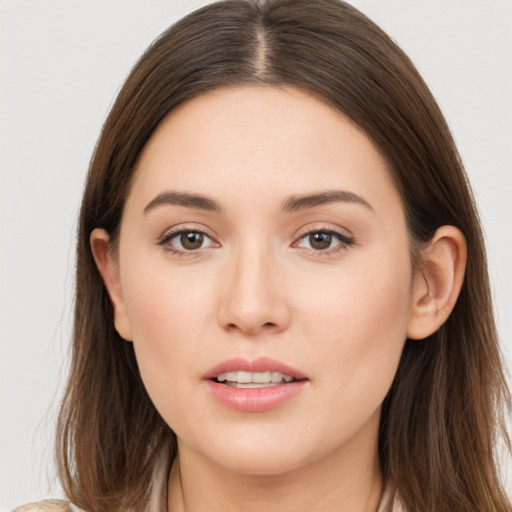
320 240
191 240
324 241
186 241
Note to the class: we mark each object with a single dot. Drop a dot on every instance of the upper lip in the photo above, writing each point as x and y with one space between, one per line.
260 364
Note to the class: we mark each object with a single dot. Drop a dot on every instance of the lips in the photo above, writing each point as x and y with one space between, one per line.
254 386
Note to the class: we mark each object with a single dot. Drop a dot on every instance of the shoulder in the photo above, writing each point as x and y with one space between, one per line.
390 501
48 506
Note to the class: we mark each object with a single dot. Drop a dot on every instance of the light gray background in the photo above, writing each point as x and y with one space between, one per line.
62 63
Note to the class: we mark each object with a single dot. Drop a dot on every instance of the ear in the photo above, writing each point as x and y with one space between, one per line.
109 270
438 282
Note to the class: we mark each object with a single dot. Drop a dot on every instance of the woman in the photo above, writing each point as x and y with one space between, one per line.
282 298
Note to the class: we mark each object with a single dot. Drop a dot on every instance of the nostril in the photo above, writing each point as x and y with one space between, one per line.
267 326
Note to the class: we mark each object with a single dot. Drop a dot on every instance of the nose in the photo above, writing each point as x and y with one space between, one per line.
253 295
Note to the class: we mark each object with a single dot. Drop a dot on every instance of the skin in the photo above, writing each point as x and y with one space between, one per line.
258 286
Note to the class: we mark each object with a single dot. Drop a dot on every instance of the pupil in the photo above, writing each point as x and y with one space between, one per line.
191 240
320 241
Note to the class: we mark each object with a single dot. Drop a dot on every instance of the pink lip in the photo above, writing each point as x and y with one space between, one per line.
254 399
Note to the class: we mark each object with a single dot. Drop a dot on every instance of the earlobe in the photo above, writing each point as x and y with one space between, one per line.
108 269
438 282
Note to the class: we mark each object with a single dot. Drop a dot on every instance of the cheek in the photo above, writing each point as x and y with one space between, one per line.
168 313
357 330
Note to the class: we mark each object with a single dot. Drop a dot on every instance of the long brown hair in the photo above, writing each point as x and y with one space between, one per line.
447 405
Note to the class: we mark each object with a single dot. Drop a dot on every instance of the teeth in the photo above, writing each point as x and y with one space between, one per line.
259 378
240 377
277 377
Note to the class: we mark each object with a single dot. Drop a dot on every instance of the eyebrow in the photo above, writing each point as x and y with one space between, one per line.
291 204
185 199
303 202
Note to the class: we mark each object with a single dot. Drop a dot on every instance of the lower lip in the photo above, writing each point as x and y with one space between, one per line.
255 399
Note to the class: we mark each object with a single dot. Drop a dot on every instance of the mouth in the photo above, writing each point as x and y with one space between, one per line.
254 386
257 373
250 380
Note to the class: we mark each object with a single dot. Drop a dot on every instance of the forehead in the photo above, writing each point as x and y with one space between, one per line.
259 141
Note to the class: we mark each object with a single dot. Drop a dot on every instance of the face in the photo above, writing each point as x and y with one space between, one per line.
264 277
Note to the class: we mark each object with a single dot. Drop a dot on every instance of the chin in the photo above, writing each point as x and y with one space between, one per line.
262 456
262 463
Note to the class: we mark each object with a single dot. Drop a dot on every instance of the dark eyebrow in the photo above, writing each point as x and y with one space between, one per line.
302 202
185 199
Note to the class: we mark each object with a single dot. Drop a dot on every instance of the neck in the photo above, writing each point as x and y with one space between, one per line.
339 481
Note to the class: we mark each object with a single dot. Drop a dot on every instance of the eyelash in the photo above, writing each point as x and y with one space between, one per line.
165 241
344 241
